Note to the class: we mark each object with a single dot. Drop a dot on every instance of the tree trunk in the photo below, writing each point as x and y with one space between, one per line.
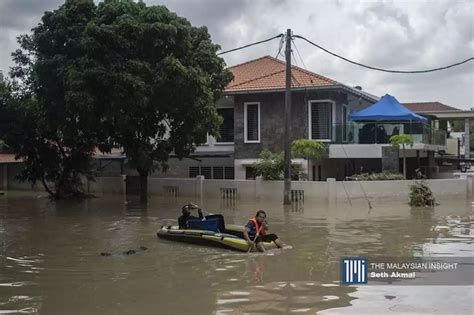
50 192
143 187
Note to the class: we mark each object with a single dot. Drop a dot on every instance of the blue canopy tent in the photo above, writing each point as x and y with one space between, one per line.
387 109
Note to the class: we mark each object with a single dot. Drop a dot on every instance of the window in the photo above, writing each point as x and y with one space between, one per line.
252 122
320 120
194 171
206 171
200 170
226 130
344 123
229 173
218 172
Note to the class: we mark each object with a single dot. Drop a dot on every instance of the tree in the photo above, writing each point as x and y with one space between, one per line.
158 78
116 74
271 166
311 150
45 119
401 140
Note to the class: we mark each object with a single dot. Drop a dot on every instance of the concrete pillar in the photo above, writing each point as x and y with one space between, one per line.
332 194
431 164
124 184
258 187
390 158
467 138
470 179
200 189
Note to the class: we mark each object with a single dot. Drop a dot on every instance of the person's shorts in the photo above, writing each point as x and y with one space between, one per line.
266 238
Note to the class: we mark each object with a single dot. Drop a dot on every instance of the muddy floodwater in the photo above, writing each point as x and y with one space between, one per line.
50 260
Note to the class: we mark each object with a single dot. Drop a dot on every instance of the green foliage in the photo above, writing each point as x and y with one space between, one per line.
117 74
401 140
378 176
309 149
421 195
158 78
51 155
271 166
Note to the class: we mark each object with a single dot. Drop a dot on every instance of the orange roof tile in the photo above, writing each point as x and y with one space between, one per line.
8 158
425 107
267 73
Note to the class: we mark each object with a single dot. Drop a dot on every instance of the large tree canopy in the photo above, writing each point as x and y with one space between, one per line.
119 73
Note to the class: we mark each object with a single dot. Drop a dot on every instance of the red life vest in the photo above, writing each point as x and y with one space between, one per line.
261 230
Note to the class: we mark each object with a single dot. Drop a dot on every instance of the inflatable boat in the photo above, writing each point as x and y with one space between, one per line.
210 231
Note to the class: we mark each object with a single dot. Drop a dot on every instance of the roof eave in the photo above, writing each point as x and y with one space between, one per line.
307 89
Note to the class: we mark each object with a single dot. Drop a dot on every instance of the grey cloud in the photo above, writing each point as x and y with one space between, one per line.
388 34
384 11
24 14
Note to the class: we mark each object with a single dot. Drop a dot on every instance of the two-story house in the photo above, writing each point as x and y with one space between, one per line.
253 112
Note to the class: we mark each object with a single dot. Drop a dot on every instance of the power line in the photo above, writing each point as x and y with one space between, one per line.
249 45
381 69
298 52
280 46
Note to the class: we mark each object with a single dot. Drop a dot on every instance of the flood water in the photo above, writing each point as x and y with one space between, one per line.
50 260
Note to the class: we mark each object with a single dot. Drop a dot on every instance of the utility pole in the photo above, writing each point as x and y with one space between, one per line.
287 183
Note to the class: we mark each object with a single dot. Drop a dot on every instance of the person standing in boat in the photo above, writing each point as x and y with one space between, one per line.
255 232
186 210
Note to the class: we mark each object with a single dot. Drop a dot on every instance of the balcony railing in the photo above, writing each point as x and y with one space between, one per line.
380 133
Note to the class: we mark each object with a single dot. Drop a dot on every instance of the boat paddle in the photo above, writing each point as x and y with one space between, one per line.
256 235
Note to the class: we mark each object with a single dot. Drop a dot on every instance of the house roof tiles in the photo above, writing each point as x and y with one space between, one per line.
8 158
426 107
268 73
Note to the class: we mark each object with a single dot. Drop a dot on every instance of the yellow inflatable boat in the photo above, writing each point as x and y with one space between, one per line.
210 234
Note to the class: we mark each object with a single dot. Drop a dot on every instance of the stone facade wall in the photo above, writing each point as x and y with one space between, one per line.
272 109
390 159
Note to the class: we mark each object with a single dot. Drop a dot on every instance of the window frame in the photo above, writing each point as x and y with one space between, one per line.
345 121
246 140
333 116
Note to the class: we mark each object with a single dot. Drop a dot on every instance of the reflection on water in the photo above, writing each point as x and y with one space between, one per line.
50 259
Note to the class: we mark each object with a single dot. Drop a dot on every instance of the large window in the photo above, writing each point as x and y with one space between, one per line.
227 128
320 120
215 172
252 122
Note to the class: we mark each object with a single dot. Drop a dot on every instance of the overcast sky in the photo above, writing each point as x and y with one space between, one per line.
402 35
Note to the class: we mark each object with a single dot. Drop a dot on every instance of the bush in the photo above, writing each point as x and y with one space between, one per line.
271 167
421 195
378 176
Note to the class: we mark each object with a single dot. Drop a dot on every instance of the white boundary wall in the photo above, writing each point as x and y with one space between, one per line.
331 190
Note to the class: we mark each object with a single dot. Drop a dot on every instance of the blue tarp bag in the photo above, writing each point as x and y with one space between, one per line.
213 222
